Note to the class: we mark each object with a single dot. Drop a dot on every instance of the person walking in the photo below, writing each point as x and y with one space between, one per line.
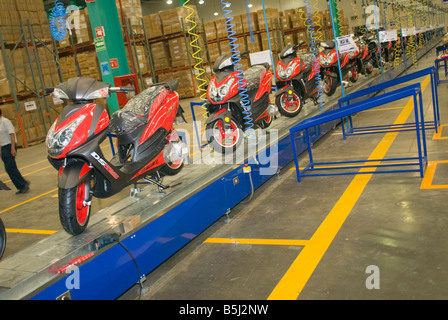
8 154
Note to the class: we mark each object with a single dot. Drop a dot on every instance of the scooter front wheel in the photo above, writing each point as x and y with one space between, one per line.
172 168
221 139
329 85
289 106
2 239
74 210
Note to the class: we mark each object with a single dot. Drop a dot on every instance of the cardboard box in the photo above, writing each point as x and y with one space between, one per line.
272 15
160 55
153 25
174 19
252 24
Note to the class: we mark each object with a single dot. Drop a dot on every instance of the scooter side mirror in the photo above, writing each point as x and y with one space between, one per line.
300 44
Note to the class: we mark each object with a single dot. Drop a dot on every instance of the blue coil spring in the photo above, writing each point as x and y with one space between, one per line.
313 48
245 102
57 21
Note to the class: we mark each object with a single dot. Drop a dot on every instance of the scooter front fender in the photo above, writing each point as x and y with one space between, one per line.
221 114
289 90
73 174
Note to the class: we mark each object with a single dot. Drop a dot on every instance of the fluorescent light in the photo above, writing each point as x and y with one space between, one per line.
216 13
250 5
169 2
201 1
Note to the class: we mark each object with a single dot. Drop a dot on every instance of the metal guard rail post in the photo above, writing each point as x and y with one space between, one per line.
437 67
413 90
357 96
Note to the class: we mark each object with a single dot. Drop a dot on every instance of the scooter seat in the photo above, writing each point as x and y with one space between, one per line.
137 111
253 76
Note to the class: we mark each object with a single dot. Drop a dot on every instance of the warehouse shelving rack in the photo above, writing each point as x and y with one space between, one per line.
30 42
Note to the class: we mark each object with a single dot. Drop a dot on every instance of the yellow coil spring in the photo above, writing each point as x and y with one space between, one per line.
317 24
362 28
196 55
411 50
339 11
398 49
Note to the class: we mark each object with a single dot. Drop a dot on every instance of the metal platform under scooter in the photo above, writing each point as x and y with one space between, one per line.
168 222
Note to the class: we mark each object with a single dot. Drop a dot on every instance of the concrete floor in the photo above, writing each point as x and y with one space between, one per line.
304 240
290 233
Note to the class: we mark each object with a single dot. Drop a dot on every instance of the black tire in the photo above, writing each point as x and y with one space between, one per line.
329 85
355 74
215 127
266 122
283 104
2 239
171 169
74 216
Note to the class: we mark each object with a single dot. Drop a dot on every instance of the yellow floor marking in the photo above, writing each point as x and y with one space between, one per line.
29 200
27 174
382 109
438 135
295 279
30 165
429 176
276 242
31 231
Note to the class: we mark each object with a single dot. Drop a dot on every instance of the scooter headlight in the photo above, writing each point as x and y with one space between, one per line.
326 61
217 95
57 141
284 74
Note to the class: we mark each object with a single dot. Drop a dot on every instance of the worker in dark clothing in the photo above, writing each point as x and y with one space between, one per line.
8 154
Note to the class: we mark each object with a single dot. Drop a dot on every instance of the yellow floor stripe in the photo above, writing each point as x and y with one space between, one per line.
429 176
295 279
31 231
276 242
29 200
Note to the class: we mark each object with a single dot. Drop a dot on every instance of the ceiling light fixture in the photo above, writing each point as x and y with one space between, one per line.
250 5
169 2
201 1
216 13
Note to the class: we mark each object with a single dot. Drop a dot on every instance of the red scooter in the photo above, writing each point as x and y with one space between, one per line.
228 118
329 66
296 80
364 59
148 144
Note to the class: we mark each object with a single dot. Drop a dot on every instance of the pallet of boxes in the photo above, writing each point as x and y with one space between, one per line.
30 113
173 56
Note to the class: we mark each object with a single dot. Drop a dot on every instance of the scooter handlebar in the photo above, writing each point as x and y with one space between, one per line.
121 89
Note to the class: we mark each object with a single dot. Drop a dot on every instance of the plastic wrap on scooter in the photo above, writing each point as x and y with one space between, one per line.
137 111
253 76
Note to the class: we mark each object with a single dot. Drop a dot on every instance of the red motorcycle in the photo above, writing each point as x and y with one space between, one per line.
148 144
329 66
364 59
296 80
228 113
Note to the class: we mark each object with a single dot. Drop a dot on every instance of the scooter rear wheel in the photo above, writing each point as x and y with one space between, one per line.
221 140
74 213
2 239
289 107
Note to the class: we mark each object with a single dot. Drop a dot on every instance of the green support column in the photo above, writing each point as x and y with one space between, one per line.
335 15
109 43
181 2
